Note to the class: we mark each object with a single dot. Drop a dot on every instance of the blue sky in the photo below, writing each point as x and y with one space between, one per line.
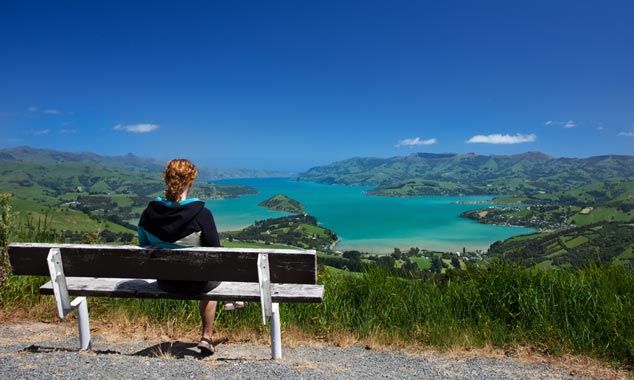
294 84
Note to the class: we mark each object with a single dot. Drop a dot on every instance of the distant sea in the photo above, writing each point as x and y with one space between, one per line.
368 223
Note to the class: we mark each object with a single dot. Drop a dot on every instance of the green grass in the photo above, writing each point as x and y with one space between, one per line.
340 272
577 241
60 218
586 311
123 200
545 265
626 257
422 263
315 230
556 253
599 214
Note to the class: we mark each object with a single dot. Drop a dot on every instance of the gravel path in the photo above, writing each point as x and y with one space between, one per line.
49 351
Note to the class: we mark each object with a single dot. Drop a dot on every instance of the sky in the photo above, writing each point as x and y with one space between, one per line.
289 85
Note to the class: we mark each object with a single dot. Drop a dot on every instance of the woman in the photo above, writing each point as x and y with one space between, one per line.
177 221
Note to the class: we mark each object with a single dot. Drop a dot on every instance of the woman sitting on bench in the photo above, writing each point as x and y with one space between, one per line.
176 222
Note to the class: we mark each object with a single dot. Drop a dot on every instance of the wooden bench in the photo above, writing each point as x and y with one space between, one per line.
268 276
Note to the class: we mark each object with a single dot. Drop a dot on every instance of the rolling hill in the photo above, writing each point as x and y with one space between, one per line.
471 174
608 242
69 194
586 204
129 161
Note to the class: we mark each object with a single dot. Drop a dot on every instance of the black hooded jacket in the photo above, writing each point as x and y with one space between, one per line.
172 225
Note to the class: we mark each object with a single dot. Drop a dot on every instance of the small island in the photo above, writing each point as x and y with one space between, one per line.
281 202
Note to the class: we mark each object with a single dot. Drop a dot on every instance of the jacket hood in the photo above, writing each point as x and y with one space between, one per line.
169 221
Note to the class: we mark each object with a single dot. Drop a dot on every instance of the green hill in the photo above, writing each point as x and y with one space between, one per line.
605 242
129 161
594 203
70 194
456 174
281 202
295 230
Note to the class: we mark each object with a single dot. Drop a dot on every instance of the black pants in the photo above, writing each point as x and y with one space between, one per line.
187 287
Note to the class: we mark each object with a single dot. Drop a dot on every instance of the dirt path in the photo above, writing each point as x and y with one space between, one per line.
37 350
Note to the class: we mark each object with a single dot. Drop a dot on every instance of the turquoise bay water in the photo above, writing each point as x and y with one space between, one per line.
367 223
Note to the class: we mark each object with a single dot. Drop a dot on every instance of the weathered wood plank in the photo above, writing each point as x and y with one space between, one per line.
147 288
198 264
136 247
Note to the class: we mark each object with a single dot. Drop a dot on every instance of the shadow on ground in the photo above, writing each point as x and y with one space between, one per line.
172 350
178 350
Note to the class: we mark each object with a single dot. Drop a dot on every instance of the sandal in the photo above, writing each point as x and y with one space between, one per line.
206 346
234 305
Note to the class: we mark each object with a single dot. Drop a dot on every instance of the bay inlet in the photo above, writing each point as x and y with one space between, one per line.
368 223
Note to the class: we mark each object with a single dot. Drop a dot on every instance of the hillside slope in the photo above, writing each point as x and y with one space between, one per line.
469 174
129 161
66 195
608 242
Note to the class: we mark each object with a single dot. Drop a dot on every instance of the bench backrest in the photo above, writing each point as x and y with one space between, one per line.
292 266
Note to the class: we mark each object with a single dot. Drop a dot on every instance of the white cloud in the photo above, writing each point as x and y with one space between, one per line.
41 132
136 128
47 111
416 141
502 139
67 131
564 124
626 134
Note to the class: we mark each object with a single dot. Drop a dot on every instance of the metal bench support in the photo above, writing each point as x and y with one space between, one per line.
270 310
64 304
276 335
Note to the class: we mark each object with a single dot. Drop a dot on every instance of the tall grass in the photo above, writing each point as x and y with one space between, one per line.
588 311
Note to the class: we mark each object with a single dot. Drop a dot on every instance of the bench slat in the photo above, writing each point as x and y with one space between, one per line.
147 288
292 266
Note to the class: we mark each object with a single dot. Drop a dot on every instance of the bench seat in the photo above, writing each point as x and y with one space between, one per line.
147 288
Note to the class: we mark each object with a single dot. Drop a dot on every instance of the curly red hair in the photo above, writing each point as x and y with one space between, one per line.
179 174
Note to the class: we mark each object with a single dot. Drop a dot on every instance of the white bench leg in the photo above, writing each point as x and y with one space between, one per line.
276 335
64 304
83 323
